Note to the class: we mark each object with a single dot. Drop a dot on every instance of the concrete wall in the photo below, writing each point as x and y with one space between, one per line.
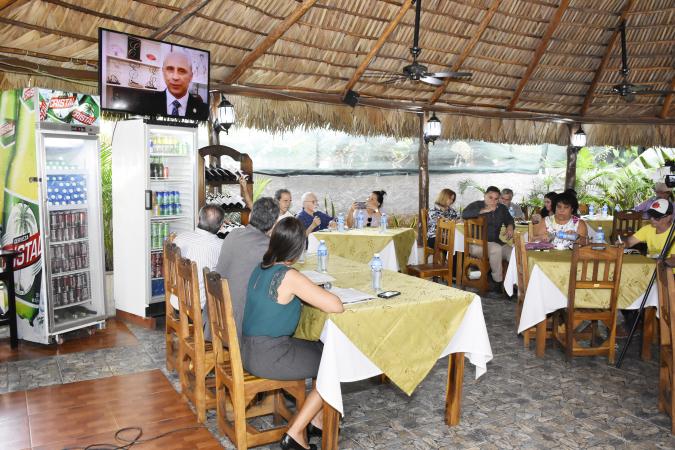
402 190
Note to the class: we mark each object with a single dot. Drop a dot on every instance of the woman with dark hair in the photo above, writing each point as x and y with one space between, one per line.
372 206
547 210
273 303
563 219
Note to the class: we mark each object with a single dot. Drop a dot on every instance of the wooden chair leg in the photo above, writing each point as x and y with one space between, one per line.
541 338
647 333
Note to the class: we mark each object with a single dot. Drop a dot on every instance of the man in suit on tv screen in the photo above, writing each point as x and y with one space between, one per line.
176 100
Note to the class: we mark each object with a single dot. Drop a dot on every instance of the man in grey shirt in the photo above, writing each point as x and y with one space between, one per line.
497 215
243 249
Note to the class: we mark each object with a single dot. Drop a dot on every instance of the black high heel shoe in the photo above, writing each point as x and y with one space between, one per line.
288 443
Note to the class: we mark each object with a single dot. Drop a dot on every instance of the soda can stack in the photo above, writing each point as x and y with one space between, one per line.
159 231
67 225
168 203
69 289
157 265
69 257
63 190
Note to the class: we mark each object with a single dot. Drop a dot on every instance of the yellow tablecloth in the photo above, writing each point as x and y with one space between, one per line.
403 336
359 245
636 272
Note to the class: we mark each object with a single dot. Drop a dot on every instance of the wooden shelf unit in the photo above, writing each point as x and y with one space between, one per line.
211 155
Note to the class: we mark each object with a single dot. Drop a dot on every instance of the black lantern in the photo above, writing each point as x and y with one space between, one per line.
225 116
432 129
578 139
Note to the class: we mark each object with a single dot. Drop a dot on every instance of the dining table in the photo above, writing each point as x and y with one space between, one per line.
546 292
401 337
397 246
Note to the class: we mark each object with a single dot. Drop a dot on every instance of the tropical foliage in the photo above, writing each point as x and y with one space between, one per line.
106 194
259 185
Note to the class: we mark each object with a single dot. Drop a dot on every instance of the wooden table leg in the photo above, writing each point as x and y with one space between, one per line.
331 424
647 333
541 338
453 390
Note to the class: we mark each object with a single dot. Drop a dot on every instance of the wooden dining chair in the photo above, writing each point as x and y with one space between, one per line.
583 208
424 218
593 268
626 223
442 265
237 390
196 359
523 280
475 234
172 321
666 289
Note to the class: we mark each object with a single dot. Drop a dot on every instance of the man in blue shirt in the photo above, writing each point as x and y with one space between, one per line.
311 218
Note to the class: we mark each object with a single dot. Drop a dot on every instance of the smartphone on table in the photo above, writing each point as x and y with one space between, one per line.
388 294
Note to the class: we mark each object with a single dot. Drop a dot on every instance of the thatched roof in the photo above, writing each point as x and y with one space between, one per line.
535 63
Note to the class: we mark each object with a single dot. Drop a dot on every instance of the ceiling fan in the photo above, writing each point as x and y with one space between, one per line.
417 71
626 89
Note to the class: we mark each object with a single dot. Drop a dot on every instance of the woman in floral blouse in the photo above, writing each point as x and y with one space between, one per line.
442 209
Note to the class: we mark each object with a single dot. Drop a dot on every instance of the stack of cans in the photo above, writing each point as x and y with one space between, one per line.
63 190
70 289
67 225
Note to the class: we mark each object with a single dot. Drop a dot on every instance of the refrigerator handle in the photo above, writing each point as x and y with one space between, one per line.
148 200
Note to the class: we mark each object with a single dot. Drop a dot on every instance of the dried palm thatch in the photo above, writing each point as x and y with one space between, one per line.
535 63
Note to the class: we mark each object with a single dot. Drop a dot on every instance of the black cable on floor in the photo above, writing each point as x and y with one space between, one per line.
128 443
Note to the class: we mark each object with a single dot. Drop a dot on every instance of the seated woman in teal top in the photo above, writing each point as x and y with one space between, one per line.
271 314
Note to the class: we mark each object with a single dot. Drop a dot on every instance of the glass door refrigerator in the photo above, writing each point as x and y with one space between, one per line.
154 168
50 172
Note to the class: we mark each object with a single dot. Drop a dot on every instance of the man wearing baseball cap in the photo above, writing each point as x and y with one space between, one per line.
654 235
662 192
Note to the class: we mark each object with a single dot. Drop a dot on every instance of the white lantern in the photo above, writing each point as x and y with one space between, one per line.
432 129
578 139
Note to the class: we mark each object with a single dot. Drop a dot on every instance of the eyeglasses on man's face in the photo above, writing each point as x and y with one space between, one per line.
312 201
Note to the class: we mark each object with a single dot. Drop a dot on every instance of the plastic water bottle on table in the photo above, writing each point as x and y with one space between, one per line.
383 223
376 272
322 257
341 222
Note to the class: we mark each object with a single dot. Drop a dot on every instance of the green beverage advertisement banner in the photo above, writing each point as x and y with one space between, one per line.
69 108
20 225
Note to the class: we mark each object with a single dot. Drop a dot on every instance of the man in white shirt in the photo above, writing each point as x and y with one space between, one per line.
283 197
202 245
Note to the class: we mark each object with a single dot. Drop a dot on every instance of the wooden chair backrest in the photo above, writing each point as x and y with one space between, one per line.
171 255
521 264
444 246
475 233
666 289
525 209
188 298
626 223
223 329
424 217
600 269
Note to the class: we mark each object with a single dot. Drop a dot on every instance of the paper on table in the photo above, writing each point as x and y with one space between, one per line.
349 295
317 277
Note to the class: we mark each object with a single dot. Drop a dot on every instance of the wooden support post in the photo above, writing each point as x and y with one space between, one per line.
571 171
423 159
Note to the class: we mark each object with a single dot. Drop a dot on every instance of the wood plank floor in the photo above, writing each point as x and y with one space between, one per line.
115 334
90 412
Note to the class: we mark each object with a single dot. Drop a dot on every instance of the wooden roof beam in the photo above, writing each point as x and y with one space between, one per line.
665 110
179 19
541 48
605 60
467 50
269 41
378 45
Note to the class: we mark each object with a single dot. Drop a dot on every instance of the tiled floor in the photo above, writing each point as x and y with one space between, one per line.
521 402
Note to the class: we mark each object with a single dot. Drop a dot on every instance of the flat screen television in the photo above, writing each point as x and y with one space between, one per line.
152 78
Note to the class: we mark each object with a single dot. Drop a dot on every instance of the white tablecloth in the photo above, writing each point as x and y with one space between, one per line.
387 254
342 362
543 296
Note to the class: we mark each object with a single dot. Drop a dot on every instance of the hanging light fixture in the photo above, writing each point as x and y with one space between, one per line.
578 139
432 129
225 116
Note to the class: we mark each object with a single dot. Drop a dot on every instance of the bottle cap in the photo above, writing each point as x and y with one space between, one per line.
322 241
376 255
